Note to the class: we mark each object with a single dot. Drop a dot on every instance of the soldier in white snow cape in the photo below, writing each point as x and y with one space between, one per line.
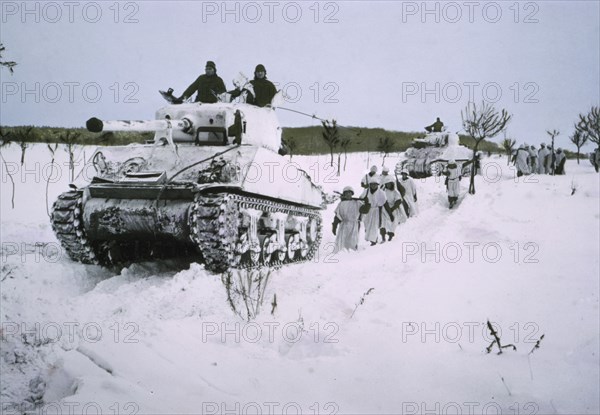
410 192
376 200
346 221
560 162
369 177
521 160
452 173
533 159
385 177
396 213
543 153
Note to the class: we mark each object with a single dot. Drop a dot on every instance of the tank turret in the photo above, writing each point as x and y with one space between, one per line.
209 193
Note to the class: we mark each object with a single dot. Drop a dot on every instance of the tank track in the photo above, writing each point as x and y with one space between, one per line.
68 228
217 228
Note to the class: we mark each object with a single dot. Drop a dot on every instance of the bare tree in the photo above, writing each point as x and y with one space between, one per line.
52 149
386 146
25 136
5 142
291 145
331 136
508 144
579 138
552 135
481 123
589 124
345 143
7 64
69 138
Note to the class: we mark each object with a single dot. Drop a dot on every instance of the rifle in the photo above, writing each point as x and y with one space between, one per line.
353 198
362 199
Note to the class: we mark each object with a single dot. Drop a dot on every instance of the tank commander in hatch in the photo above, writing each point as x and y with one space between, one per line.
208 86
436 127
263 89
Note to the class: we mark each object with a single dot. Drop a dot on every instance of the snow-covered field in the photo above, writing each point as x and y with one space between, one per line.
395 328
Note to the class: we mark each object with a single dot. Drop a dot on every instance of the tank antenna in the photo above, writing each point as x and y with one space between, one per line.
317 118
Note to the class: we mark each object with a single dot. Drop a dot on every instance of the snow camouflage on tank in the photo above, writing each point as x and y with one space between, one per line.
429 155
212 184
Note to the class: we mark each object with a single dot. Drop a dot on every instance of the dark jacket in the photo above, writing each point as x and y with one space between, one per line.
205 86
264 91
436 127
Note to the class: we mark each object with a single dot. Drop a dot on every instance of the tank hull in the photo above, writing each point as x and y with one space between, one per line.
253 170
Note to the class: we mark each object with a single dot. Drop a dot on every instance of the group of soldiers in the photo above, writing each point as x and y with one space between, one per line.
385 203
528 160
209 86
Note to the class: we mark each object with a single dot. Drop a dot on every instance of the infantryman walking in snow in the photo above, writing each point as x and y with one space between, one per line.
410 192
561 158
369 177
521 160
533 159
542 159
346 223
385 177
395 214
453 176
550 161
436 127
208 86
376 200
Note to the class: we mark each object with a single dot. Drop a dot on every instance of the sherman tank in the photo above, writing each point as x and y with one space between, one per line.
211 184
428 155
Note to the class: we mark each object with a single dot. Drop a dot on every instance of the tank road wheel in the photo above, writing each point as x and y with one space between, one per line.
267 249
67 224
303 249
293 246
253 255
280 255
273 253
297 249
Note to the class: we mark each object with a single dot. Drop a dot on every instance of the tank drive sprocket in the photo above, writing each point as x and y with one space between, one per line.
67 224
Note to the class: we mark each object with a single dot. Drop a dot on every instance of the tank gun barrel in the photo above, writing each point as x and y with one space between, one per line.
96 125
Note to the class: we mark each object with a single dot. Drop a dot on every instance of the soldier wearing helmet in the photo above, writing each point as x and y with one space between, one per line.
346 221
375 198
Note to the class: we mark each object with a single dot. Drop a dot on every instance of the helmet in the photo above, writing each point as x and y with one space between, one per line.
348 189
387 179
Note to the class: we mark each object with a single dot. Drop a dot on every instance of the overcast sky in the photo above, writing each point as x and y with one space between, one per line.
395 65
